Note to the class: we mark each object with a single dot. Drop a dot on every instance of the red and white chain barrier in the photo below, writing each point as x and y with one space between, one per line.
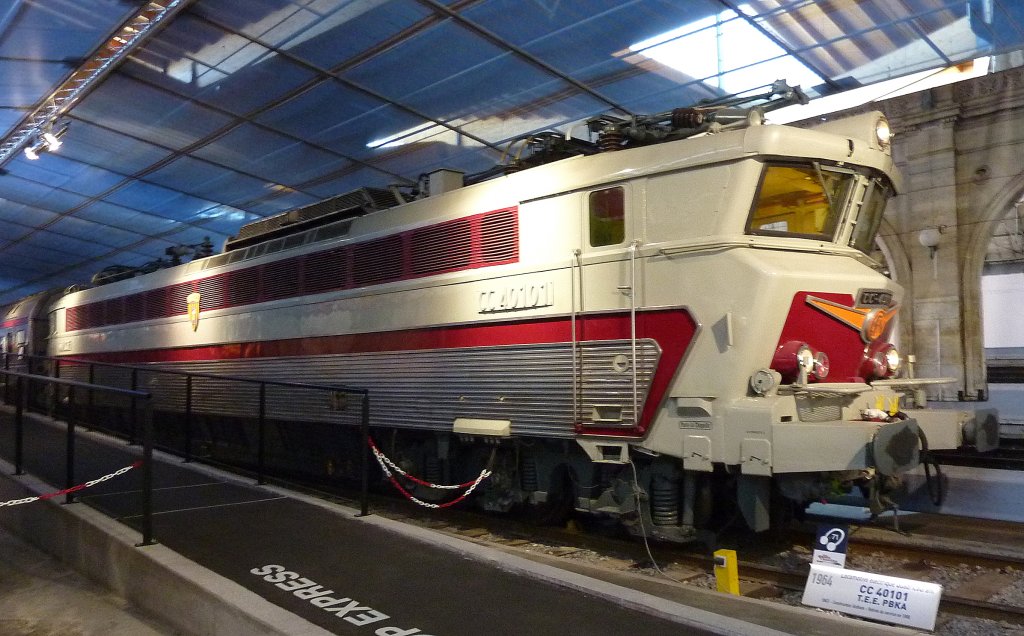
388 466
88 484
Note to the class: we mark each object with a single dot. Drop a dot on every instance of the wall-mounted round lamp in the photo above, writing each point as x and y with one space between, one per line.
930 237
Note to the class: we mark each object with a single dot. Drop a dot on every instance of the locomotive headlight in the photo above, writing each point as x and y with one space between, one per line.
892 361
883 134
881 360
794 360
805 359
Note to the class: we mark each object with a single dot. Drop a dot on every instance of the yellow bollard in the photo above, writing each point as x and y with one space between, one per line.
727 575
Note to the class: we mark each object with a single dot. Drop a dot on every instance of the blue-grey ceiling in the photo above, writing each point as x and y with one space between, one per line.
239 109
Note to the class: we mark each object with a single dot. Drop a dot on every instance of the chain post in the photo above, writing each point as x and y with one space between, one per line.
364 507
147 475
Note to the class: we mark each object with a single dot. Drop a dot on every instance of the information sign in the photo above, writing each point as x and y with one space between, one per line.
830 545
875 596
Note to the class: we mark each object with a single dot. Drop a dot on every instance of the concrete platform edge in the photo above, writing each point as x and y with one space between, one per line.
192 599
686 615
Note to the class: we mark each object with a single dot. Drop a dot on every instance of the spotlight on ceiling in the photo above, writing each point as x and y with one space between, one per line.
47 141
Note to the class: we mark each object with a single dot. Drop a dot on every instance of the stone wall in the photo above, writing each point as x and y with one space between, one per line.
961 151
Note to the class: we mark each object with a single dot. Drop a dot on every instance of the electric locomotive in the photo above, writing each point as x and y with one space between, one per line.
679 318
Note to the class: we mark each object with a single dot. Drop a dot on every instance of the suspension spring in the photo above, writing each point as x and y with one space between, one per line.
664 501
528 474
432 470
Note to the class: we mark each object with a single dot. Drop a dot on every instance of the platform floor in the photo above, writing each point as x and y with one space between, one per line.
335 572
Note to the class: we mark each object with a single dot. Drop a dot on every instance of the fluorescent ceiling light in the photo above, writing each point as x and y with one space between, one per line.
407 136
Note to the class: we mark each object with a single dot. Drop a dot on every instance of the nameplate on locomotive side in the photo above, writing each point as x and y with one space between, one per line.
517 296
874 298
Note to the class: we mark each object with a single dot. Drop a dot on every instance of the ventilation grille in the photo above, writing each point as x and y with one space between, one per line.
483 240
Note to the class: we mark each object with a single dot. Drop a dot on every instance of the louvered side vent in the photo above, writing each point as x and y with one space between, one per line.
499 237
178 299
325 271
73 318
377 261
243 286
343 206
134 308
281 279
482 240
113 311
212 292
441 248
156 303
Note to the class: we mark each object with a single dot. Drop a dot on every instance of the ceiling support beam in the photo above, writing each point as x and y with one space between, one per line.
521 53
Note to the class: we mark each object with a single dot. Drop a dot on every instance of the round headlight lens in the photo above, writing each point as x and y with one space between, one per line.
883 133
794 359
892 361
805 359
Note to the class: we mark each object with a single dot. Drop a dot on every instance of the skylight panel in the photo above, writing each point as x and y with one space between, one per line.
726 52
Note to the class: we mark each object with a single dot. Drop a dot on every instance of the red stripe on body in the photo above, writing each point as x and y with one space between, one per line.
673 330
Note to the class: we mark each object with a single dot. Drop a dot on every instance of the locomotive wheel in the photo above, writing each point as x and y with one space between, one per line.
561 500
715 508
782 512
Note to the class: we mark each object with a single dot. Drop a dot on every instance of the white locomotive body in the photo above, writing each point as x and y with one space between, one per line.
703 309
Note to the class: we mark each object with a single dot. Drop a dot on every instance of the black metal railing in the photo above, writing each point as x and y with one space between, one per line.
270 427
22 387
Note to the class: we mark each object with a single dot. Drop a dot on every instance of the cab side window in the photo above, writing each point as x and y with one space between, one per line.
607 211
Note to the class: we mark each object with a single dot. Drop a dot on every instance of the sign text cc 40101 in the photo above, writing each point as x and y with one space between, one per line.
516 296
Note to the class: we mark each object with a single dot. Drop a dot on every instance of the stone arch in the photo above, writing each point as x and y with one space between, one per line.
970 278
897 262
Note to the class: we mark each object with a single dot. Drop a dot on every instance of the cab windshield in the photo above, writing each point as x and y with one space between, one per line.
805 201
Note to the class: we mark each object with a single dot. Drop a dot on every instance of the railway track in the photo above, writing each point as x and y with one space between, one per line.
982 569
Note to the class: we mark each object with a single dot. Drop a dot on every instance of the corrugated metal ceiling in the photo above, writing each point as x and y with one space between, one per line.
239 109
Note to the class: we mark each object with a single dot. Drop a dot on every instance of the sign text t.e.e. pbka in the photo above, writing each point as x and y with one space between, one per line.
881 598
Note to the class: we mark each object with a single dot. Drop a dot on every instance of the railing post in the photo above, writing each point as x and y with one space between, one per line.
262 447
55 396
188 418
91 403
364 508
70 479
147 475
19 427
7 379
134 408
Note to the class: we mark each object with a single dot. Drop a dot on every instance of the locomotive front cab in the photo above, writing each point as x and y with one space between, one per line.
843 407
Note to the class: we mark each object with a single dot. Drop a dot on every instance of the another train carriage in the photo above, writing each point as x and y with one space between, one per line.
24 328
697 317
